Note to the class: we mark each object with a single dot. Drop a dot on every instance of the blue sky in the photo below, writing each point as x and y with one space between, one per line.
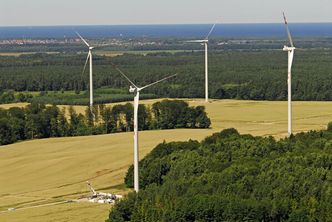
109 12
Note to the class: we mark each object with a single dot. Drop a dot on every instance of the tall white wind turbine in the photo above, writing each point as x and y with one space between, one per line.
206 43
86 62
136 90
290 51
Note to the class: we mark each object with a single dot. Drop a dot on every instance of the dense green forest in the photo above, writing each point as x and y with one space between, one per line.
236 74
233 177
40 121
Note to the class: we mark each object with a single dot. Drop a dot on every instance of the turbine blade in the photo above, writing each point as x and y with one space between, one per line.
208 35
124 75
288 32
86 62
158 81
86 43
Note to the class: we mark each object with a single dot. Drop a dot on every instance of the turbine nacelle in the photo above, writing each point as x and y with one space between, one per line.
205 42
133 89
90 48
287 48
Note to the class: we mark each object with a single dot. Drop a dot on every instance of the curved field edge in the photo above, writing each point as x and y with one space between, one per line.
47 170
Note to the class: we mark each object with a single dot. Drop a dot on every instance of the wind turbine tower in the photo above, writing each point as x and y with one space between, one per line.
86 62
136 90
206 43
290 51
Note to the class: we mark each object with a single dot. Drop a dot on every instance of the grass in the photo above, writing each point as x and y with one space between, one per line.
50 170
84 99
83 212
56 169
101 95
17 54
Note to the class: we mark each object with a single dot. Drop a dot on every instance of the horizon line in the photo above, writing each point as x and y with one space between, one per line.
162 24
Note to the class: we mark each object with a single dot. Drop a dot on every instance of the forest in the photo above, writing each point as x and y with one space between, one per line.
233 74
40 121
233 177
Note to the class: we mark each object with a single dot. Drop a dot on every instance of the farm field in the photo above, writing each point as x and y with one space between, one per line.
52 170
254 117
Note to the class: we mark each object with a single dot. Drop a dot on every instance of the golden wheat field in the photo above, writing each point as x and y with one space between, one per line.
37 173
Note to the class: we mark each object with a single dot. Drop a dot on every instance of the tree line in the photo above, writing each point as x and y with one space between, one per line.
255 75
101 96
10 96
233 177
37 120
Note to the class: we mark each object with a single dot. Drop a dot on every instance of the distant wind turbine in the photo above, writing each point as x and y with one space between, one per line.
206 43
290 51
86 62
136 90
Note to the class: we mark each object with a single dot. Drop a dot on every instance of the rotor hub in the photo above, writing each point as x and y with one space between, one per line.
132 89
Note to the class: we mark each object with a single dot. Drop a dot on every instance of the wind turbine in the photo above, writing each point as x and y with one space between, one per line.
86 62
290 51
206 43
136 90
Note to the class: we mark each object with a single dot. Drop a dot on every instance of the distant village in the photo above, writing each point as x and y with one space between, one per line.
111 42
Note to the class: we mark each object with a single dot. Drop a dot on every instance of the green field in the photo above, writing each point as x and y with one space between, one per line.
101 96
50 170
17 54
142 52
